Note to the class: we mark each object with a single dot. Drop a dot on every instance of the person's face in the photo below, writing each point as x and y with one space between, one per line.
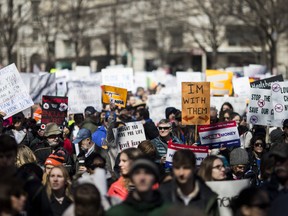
281 168
143 180
218 170
18 203
237 119
239 170
138 117
85 144
258 208
285 129
7 159
164 130
225 107
258 146
17 122
124 164
171 117
48 168
40 132
53 140
56 179
227 117
183 174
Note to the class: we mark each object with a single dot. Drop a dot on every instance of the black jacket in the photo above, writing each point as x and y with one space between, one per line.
57 208
206 198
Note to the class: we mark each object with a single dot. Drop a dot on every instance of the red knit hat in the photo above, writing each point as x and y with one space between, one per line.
54 160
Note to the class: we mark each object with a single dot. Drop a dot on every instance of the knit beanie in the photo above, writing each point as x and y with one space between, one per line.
238 156
54 160
276 136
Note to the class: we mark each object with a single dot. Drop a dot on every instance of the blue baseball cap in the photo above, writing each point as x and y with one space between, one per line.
82 134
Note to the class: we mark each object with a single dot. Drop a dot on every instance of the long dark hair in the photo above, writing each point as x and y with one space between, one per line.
205 170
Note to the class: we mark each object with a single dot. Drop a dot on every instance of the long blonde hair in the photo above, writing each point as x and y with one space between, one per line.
68 183
24 155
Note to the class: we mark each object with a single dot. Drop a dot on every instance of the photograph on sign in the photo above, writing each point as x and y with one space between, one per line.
195 103
112 94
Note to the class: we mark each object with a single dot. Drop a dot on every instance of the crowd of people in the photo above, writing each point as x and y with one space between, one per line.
42 173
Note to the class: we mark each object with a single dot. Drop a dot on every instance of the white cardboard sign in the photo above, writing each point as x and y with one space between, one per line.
280 100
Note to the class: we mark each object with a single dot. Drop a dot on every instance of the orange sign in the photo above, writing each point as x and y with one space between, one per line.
111 94
221 82
195 103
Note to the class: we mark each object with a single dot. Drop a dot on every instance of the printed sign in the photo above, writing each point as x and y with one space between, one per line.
201 152
280 100
223 134
54 109
266 83
227 190
111 94
221 82
14 96
82 94
118 77
195 103
130 135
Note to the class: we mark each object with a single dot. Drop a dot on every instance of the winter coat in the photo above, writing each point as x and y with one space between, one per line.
118 189
89 124
99 136
151 131
206 198
132 207
57 208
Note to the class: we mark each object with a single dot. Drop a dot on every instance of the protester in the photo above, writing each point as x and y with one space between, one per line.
226 116
238 162
170 113
143 200
225 106
24 155
92 119
123 185
51 161
75 126
59 190
100 134
212 169
285 131
236 117
213 115
186 188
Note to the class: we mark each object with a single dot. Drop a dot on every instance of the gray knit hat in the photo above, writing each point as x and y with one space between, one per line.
146 164
238 156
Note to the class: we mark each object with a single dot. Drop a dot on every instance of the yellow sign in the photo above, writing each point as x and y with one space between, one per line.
220 82
111 94
195 103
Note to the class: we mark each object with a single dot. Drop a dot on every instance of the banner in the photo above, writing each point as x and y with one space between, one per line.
118 77
227 190
280 100
195 103
82 94
266 83
223 134
54 109
14 96
220 81
200 152
115 95
130 135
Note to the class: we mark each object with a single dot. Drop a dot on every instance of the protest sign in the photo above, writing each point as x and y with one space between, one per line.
158 103
61 86
195 103
201 152
253 70
118 77
266 83
14 96
280 100
223 134
82 94
115 95
227 191
130 135
241 87
187 77
238 103
220 81
54 109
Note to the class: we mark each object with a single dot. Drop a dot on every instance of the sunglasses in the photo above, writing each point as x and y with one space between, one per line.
53 136
163 128
258 145
219 167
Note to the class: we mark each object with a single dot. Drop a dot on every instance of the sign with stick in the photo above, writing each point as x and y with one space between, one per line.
266 83
195 103
280 100
112 94
224 134
54 109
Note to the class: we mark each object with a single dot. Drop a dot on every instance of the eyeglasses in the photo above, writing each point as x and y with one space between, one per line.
219 167
163 128
258 144
241 167
261 205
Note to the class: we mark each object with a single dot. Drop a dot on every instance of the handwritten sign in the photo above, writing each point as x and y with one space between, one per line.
227 190
82 94
130 135
14 96
115 95
54 109
200 152
280 100
223 134
266 83
195 103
